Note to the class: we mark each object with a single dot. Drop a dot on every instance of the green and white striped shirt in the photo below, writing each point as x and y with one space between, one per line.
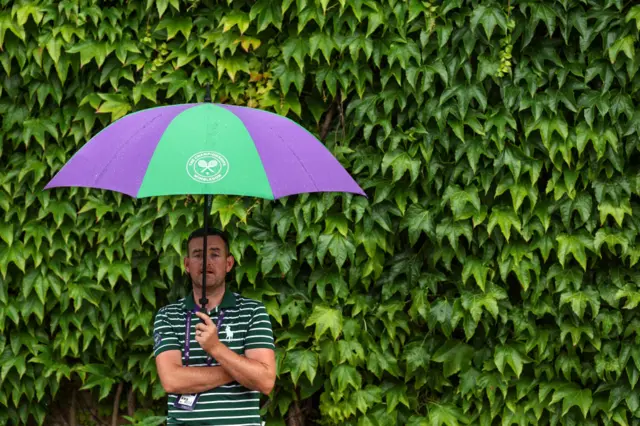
246 325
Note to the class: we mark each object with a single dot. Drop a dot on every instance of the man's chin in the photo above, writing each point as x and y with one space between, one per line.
211 282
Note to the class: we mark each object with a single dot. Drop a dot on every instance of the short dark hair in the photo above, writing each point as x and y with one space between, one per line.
200 232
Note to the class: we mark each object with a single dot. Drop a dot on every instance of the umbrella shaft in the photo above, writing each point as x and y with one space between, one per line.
207 208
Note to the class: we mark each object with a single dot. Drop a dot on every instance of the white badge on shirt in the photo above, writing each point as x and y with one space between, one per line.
187 402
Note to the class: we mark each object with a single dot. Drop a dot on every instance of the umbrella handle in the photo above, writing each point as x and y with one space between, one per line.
208 200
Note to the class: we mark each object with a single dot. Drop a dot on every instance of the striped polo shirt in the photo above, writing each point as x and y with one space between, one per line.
246 325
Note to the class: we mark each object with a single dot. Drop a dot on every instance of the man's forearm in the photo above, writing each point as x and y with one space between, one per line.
185 380
249 373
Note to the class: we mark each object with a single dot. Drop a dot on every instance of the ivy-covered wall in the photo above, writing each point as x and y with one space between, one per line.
490 278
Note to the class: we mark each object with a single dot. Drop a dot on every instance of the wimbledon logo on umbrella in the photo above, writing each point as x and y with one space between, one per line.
207 167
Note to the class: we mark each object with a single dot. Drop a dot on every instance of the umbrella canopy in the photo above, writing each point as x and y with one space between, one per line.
206 148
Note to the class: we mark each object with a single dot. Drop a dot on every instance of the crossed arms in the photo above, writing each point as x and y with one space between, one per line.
256 370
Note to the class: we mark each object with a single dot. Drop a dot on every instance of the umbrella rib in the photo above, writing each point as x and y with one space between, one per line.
299 160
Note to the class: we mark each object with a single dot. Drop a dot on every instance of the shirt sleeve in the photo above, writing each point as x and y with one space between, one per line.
260 331
164 337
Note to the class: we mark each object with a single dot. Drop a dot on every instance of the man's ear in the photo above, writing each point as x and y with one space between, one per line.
230 262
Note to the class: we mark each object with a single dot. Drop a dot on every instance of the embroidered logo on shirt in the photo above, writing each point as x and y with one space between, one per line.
228 333
157 339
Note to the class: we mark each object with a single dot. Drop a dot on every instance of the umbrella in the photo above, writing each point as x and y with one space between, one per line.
205 148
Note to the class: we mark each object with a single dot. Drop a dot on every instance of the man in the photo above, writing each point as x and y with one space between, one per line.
218 376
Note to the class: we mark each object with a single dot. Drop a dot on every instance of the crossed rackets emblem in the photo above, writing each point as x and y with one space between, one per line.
207 166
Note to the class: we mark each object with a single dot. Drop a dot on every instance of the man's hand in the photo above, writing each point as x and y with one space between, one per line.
256 370
207 334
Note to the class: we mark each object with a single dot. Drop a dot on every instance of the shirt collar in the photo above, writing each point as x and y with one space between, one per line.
228 301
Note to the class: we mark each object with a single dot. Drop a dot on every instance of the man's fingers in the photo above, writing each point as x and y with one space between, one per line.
204 317
201 328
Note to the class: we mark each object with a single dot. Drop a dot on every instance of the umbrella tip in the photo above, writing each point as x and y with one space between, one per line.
207 96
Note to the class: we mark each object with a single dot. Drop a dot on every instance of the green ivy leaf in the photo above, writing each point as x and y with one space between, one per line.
598 137
455 355
576 245
506 218
613 238
458 198
510 355
38 128
6 233
445 414
634 13
401 162
545 13
104 383
375 18
117 105
344 375
417 356
174 25
364 399
606 208
350 351
579 300
227 207
478 269
117 270
583 204
296 48
395 396
519 191
301 361
417 220
92 50
571 395
323 42
380 362
266 13
625 44
453 230
476 303
325 318
275 252
489 16
338 245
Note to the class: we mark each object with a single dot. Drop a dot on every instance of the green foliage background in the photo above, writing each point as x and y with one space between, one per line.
490 277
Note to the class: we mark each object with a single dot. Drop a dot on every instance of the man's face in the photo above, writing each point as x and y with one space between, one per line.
218 263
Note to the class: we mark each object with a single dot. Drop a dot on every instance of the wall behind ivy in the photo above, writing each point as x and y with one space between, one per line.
490 277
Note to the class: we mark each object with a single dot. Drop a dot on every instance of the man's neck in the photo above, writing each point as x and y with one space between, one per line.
214 298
